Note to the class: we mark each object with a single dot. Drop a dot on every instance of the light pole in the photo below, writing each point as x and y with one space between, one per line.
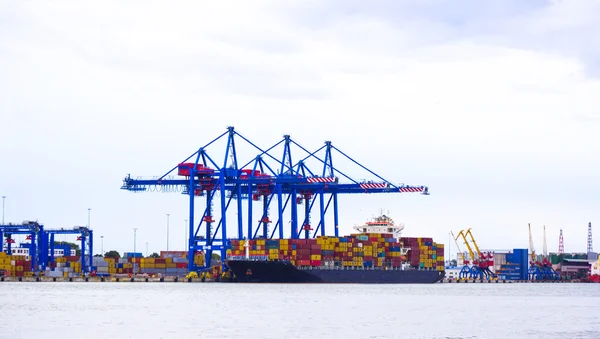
89 224
146 249
102 245
168 232
185 227
134 262
3 197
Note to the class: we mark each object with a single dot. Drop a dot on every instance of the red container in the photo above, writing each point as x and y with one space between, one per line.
303 252
315 263
303 262
160 261
181 265
315 247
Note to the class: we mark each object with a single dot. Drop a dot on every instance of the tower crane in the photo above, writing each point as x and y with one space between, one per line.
264 177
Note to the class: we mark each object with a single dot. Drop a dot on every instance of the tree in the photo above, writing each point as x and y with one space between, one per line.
112 254
154 255
98 255
215 256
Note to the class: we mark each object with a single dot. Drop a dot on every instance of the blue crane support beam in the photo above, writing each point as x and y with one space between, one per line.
36 250
86 238
205 177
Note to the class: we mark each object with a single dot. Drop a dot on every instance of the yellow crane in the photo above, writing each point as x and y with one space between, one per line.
462 234
480 256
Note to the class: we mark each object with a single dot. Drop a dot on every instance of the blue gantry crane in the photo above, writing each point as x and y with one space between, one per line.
84 235
35 232
263 178
41 246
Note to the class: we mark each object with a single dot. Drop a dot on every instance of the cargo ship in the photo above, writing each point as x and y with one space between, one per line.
376 255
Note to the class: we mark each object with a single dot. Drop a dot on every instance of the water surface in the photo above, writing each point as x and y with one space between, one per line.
181 310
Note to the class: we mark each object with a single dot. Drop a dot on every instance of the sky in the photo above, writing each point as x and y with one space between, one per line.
491 105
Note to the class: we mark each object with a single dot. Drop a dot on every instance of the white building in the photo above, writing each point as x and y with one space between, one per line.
25 251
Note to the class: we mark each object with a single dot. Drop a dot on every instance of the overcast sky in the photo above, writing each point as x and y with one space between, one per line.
493 105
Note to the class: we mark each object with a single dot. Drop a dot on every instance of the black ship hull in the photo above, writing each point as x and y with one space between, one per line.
258 271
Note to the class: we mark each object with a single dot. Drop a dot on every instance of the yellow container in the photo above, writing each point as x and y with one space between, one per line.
315 257
65 274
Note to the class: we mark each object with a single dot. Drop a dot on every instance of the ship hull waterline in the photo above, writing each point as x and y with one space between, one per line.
258 271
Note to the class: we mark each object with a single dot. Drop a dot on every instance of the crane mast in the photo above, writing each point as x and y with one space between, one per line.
545 248
531 245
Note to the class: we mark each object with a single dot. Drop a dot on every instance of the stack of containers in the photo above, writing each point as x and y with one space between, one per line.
358 250
104 266
440 264
160 266
147 266
124 266
516 267
5 262
19 265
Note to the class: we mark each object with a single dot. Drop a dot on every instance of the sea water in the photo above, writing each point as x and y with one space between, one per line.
220 310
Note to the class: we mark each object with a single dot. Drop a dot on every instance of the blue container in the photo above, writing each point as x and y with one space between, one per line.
293 246
368 263
343 240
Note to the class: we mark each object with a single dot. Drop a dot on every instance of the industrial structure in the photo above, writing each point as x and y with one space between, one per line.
34 232
540 270
261 179
84 235
590 247
561 243
480 262
41 249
